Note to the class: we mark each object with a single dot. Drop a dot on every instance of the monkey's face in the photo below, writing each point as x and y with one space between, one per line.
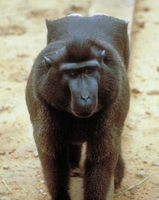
82 81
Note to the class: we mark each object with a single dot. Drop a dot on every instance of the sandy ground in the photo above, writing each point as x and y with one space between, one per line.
22 36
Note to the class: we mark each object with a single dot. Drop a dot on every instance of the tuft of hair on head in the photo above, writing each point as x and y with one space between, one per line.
78 50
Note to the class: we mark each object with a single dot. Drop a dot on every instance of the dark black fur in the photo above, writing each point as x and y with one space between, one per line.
78 92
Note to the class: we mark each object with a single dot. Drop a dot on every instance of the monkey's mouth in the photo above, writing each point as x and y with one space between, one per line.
84 109
83 114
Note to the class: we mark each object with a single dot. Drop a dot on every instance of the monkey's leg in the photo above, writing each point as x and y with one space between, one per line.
56 171
74 157
99 172
119 171
110 189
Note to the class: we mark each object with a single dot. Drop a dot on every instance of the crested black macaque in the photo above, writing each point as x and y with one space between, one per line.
78 92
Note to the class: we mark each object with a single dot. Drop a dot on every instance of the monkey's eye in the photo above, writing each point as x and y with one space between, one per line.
89 71
73 73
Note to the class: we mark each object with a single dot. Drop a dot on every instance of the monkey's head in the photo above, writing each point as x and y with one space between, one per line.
78 72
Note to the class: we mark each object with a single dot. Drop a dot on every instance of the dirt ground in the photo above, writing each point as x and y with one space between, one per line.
22 36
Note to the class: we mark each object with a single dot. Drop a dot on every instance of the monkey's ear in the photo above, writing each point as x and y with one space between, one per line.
103 53
104 58
48 62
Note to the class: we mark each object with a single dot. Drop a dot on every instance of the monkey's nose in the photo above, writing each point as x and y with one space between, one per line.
85 98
